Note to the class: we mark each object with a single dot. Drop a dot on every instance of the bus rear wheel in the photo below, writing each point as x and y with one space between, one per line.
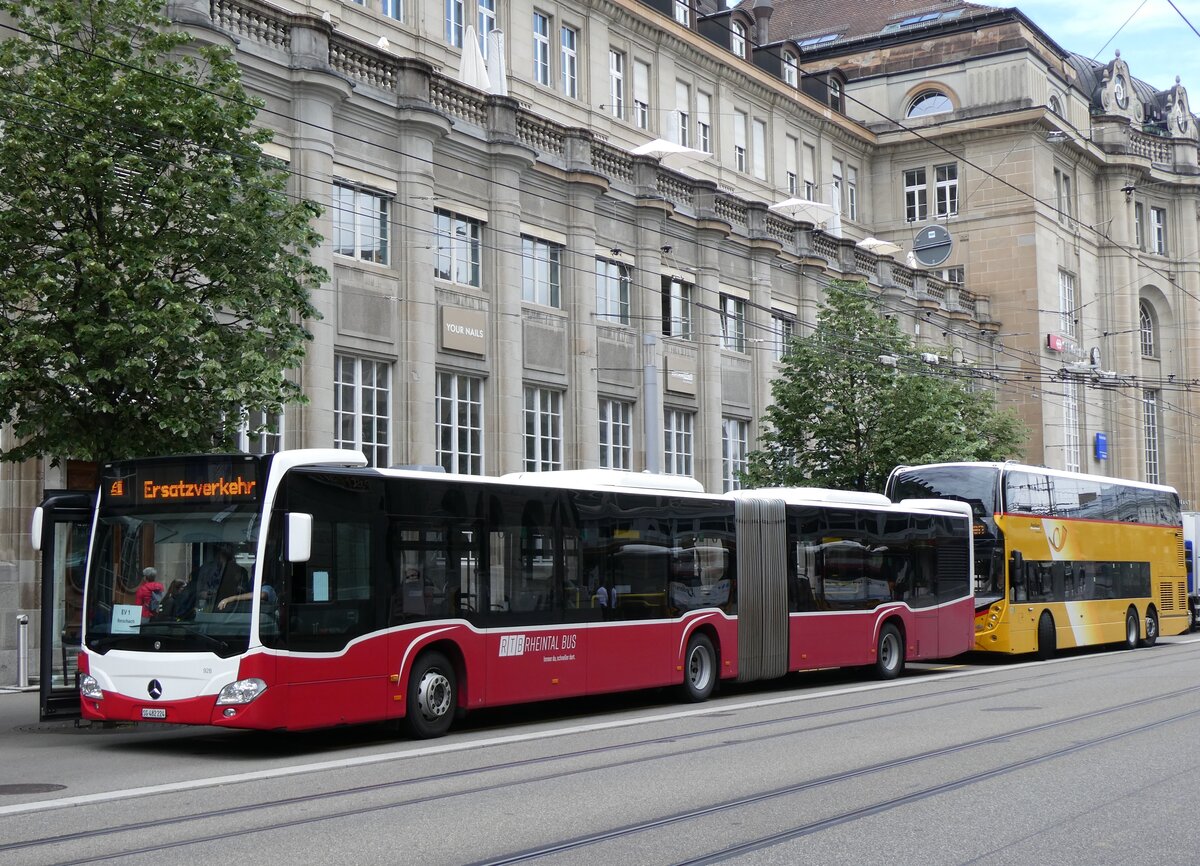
1047 643
699 669
1131 630
889 653
1151 637
432 696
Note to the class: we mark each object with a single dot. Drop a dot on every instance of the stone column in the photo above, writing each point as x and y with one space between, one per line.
420 127
316 92
506 413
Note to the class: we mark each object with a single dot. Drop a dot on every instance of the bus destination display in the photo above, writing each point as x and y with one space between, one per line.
179 482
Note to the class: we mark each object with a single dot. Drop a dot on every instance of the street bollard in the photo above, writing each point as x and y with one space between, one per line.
22 651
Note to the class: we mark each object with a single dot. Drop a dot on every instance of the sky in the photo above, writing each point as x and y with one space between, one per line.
1157 42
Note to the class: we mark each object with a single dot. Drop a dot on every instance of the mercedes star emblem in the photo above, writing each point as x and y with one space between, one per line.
155 689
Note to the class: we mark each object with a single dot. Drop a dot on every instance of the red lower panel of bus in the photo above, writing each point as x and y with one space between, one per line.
369 680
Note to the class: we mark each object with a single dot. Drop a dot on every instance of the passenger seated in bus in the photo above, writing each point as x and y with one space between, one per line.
267 594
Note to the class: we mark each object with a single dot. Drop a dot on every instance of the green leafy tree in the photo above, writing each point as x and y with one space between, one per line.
154 275
842 418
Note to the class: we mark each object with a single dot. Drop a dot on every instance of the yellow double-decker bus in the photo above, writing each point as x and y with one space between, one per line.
1062 559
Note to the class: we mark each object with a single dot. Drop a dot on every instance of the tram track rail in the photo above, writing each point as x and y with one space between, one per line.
791 725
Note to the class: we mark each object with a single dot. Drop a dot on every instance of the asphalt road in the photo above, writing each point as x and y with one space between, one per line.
1087 759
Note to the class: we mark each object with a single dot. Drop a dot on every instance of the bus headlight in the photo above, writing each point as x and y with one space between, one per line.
241 692
89 688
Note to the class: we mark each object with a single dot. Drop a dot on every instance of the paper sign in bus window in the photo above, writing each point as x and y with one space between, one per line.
320 586
126 618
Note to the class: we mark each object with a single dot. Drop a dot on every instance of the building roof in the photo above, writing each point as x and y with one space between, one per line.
804 19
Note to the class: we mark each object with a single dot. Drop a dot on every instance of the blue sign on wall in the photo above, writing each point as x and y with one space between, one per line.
1101 446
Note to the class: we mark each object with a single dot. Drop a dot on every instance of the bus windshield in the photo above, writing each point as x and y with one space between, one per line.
176 579
978 486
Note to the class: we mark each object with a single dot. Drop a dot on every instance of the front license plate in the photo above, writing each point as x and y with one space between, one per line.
154 712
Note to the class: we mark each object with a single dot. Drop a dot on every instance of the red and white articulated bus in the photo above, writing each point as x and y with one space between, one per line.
304 590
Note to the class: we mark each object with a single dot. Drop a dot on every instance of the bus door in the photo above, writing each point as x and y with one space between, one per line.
62 527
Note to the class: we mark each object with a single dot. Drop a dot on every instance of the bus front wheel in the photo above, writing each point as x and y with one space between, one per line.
889 653
1047 639
1151 637
432 696
699 669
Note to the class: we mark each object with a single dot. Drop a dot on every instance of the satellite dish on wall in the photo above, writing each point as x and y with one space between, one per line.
932 246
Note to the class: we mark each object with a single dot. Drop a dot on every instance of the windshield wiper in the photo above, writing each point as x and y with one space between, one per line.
100 644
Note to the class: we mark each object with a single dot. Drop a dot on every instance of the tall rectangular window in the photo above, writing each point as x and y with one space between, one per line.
616 434
1066 304
810 172
946 191
1158 228
641 94
737 39
759 142
360 223
612 291
392 9
454 11
735 438
704 122
791 155
543 429
485 23
676 308
916 195
458 432
739 140
459 248
569 59
677 441
541 272
733 323
783 329
851 192
836 185
683 113
683 12
1071 426
616 83
791 69
362 407
1150 434
1064 199
541 49
261 433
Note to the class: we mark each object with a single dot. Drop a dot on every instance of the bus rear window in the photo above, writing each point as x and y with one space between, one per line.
973 485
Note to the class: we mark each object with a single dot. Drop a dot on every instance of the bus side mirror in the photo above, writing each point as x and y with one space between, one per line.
299 537
1016 569
35 528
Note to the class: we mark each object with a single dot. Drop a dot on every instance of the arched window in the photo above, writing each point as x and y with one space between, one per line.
737 39
1056 105
791 69
929 102
835 95
1146 327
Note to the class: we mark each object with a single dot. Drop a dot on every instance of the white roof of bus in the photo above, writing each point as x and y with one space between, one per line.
810 495
607 478
1043 470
